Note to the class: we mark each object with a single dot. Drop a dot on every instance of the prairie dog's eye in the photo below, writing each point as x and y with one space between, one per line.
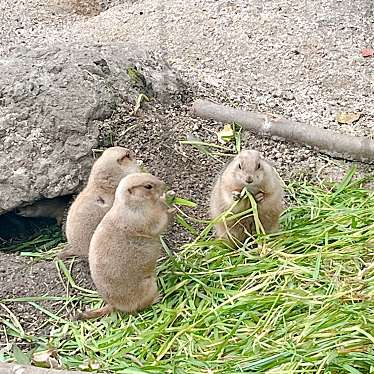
148 186
258 166
240 166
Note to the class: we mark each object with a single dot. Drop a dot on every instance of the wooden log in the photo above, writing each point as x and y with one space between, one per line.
326 141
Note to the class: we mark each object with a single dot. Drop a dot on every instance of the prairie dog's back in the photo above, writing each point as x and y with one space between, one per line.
84 215
97 198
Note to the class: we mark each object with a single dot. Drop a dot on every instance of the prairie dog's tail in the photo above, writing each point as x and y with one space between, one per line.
94 313
66 252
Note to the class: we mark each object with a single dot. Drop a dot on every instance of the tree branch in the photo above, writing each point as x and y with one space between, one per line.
326 141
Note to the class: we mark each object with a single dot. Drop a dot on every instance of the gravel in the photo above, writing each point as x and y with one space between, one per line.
298 59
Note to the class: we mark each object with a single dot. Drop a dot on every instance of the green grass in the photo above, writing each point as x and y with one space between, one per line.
301 302
42 240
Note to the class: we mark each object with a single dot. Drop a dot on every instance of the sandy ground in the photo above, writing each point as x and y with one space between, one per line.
298 59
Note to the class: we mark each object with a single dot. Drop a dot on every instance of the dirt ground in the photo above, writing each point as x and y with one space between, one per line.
289 73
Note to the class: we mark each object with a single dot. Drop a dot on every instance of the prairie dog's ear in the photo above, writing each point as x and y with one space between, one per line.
126 155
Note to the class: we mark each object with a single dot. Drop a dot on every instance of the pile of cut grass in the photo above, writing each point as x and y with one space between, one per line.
303 303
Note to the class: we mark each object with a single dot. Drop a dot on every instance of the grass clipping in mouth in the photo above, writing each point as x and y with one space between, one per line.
307 306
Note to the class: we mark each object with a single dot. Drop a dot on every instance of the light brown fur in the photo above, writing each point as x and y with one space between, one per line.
248 169
126 246
49 208
96 199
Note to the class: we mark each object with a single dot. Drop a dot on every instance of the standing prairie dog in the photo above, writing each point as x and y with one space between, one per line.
50 208
250 170
126 246
96 199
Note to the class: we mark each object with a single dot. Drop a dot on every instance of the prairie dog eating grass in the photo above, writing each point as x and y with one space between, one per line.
247 170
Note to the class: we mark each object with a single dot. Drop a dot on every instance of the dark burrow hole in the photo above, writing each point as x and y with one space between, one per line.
18 233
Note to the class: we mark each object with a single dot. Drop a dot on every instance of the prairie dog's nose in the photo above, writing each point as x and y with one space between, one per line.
249 179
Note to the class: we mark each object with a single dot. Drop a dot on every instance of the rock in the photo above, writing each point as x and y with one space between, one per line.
51 100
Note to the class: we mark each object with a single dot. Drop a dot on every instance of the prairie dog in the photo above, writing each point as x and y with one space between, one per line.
126 246
51 208
96 199
250 170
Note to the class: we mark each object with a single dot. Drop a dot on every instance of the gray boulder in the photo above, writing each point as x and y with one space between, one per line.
51 100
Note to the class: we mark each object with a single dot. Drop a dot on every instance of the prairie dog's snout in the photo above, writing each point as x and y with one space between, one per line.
163 196
249 180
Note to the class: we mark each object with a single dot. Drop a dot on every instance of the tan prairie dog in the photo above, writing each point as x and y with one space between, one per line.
48 208
250 170
126 246
96 199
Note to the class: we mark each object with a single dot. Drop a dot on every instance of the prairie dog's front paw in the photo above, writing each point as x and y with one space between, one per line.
170 193
159 296
235 195
172 210
259 197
